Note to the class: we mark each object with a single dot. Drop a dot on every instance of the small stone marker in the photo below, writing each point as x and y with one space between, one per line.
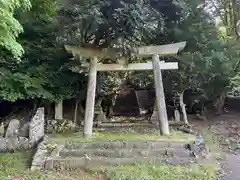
13 128
36 127
177 115
3 144
1 129
99 115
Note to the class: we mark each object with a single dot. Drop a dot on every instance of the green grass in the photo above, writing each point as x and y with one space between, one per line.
128 136
163 172
15 164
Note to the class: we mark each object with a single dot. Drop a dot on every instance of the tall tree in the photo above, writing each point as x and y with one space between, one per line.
10 27
208 63
44 70
227 11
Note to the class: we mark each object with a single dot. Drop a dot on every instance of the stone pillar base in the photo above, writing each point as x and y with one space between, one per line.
154 118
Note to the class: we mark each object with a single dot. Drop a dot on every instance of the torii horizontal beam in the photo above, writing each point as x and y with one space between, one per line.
132 66
136 66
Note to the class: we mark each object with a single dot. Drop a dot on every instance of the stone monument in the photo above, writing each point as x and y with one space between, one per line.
36 127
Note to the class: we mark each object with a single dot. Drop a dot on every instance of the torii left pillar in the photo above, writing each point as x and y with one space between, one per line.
91 91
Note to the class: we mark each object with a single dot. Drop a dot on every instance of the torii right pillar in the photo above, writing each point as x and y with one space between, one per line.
155 51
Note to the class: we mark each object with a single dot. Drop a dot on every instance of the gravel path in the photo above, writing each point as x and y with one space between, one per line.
232 167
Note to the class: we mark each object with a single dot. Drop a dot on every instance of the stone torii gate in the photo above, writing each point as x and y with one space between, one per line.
155 65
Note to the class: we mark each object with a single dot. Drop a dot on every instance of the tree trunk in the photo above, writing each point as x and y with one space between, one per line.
183 107
59 110
76 112
81 111
36 103
49 110
110 108
161 104
91 92
220 103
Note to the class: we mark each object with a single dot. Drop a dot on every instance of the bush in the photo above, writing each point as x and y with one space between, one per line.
61 126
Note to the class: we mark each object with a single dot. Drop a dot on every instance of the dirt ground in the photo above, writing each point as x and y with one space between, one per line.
225 132
225 129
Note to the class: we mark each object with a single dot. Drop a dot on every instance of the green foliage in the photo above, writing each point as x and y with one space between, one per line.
10 28
44 72
208 61
64 126
103 23
114 23
228 13
44 69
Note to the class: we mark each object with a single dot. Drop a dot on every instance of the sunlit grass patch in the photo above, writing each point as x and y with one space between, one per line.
163 172
126 136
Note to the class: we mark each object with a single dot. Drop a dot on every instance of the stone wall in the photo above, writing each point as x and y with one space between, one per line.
24 137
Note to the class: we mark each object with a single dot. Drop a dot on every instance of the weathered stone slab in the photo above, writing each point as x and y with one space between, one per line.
3 144
101 117
54 154
12 143
40 156
13 128
171 152
23 143
127 145
24 130
36 127
96 162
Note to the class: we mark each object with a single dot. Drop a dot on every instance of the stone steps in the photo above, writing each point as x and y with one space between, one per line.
120 153
126 144
98 162
135 124
94 155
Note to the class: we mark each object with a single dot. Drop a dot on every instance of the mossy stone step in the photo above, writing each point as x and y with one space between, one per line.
99 162
126 145
118 153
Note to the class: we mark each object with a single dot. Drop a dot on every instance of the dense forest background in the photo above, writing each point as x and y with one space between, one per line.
34 65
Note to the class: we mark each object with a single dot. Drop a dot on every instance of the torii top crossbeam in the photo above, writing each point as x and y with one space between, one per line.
162 50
